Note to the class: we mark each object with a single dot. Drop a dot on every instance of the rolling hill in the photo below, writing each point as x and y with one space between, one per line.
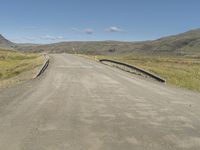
184 43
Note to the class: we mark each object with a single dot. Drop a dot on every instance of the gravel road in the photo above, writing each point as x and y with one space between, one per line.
78 104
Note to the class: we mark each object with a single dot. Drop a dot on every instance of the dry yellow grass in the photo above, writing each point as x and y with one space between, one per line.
13 63
179 71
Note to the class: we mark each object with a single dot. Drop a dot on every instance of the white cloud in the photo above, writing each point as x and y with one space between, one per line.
31 39
38 39
24 39
114 29
88 31
52 38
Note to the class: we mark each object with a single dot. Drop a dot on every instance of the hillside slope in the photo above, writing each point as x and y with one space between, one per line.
4 43
16 67
188 42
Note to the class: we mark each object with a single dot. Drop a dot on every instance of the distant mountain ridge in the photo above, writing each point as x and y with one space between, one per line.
4 43
188 42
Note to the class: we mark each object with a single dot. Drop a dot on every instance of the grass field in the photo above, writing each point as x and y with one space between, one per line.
179 71
14 63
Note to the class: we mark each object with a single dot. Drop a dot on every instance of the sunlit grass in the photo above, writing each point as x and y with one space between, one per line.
13 63
180 71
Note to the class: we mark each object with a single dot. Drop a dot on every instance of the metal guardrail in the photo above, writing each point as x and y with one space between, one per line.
43 68
135 68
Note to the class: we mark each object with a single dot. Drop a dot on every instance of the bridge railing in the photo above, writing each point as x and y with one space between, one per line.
142 71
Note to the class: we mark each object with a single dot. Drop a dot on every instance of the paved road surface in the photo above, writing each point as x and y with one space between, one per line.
78 104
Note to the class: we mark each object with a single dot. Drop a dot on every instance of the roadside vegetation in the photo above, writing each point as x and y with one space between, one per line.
13 63
180 71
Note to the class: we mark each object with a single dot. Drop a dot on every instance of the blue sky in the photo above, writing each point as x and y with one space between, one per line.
49 21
